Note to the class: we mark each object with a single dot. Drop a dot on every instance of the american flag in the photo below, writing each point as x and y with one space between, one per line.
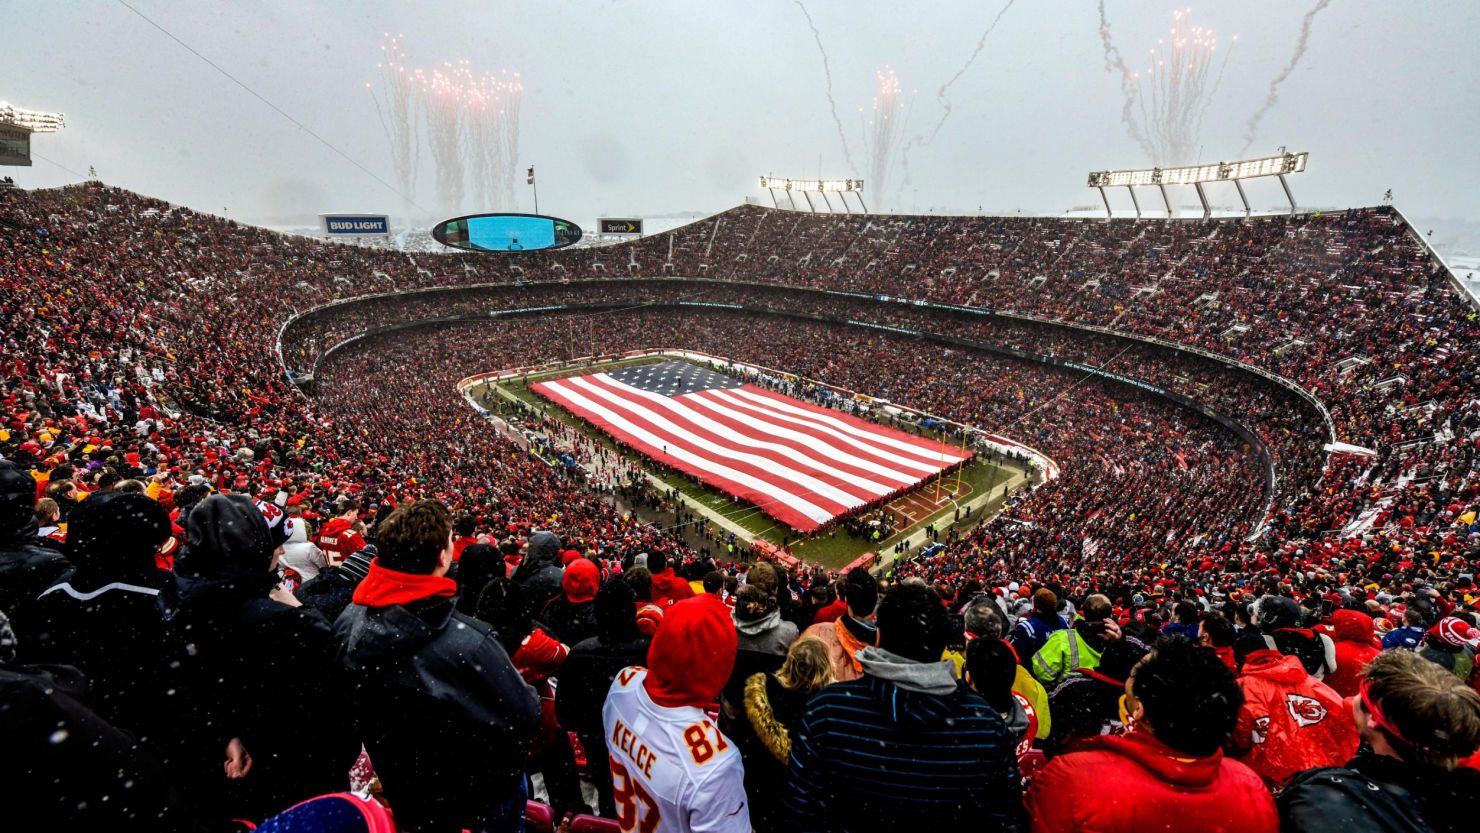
802 464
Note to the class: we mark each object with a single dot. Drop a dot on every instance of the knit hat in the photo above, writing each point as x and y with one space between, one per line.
581 580
568 556
692 653
279 525
358 563
1455 631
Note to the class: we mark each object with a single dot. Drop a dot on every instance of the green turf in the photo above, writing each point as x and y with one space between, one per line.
832 548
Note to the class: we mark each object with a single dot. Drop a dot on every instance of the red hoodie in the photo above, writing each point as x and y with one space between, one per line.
1133 782
1351 631
1290 721
669 589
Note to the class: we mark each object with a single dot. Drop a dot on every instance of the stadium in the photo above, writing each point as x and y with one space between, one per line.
648 479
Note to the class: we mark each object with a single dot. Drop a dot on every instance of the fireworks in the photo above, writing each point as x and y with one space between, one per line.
399 89
470 125
1165 104
884 127
1175 91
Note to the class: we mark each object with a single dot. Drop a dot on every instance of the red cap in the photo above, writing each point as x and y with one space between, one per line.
692 654
568 556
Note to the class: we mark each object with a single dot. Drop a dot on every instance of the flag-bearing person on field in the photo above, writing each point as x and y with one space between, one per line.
672 769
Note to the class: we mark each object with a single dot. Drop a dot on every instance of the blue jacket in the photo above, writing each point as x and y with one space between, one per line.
1407 637
870 755
1028 635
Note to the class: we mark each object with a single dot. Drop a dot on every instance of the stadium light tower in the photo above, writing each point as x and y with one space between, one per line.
16 126
1196 175
805 187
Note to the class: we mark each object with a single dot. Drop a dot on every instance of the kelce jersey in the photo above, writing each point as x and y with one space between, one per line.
672 770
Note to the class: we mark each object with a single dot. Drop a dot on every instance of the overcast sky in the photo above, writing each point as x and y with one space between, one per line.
651 108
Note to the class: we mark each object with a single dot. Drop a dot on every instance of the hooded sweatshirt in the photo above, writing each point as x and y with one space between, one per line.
868 754
1356 645
1290 721
1135 783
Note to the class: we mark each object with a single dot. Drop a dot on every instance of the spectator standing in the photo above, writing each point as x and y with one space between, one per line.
869 754
253 668
672 769
1410 635
26 567
1417 721
1290 721
773 705
853 630
338 538
439 705
588 674
571 616
1074 649
1356 646
668 587
1032 631
104 618
540 571
1169 775
1448 644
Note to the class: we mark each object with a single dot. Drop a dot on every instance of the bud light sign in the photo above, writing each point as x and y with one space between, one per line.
374 225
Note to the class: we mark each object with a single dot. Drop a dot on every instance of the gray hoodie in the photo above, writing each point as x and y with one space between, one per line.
937 678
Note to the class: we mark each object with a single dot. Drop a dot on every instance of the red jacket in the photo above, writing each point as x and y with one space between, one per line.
1135 783
1356 645
1290 721
669 589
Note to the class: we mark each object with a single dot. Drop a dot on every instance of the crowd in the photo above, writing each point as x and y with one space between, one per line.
143 389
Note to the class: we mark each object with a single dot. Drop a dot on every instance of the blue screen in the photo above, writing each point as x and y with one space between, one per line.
511 234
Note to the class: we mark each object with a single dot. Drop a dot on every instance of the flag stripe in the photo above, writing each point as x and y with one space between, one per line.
807 437
780 444
898 461
754 489
918 446
799 463
673 427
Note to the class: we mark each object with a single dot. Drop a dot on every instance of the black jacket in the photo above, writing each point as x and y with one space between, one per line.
1378 794
441 709
61 759
329 592
587 676
250 668
103 618
570 622
26 568
763 732
113 633
540 573
255 669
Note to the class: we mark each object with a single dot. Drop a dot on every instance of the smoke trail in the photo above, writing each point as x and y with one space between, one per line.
1252 131
940 95
1114 62
832 103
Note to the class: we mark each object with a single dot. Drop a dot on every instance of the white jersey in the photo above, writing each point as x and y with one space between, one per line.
672 769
